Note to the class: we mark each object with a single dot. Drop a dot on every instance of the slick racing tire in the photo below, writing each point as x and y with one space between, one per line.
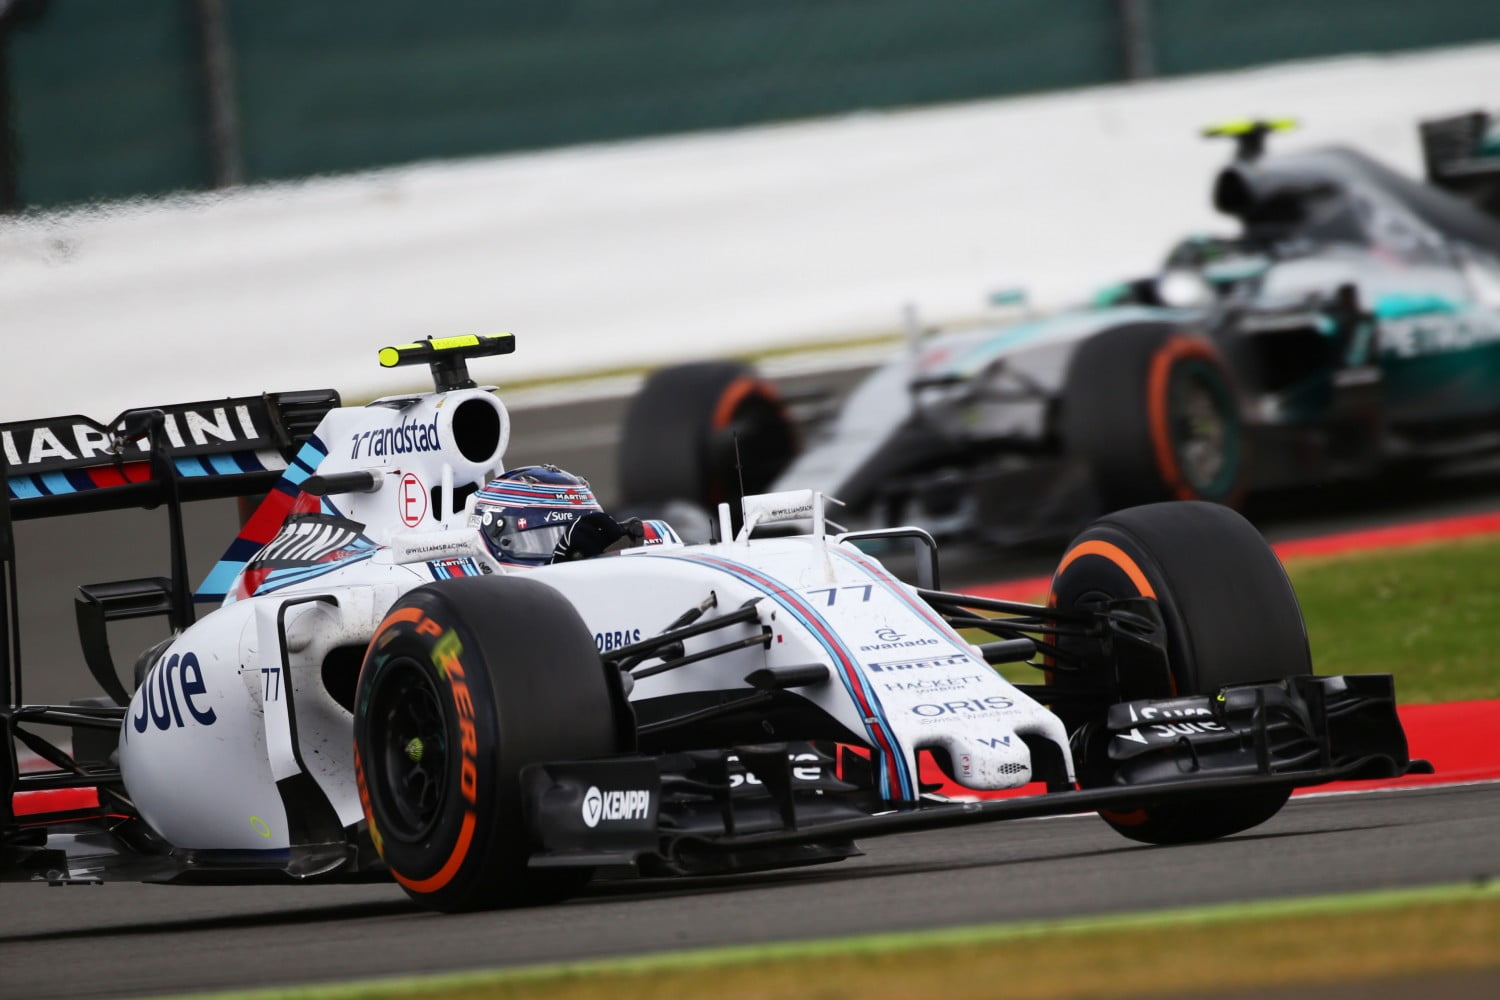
681 429
1154 414
465 682
1231 617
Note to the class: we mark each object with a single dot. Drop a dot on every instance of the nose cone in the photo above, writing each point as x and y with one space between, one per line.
987 762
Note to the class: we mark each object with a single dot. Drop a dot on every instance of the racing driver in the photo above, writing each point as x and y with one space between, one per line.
540 514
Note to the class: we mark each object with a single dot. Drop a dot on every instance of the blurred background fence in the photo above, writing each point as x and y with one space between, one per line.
105 99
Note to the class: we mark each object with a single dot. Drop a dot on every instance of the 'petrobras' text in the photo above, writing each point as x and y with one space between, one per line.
407 437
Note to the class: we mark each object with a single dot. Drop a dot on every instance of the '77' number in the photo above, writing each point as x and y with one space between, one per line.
833 592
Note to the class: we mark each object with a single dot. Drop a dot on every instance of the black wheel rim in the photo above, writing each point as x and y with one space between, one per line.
1205 430
409 735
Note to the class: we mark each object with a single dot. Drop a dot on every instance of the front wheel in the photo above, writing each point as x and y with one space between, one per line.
465 682
1231 617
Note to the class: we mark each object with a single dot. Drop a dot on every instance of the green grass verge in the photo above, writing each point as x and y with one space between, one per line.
1428 614
1328 939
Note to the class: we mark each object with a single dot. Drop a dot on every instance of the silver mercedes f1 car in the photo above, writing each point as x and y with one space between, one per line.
376 695
1350 329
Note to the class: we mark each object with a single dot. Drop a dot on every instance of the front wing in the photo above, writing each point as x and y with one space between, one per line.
765 806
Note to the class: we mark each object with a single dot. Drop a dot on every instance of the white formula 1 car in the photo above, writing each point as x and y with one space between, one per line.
377 697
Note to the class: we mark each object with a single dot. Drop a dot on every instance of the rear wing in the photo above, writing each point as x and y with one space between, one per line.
162 456
219 448
1462 154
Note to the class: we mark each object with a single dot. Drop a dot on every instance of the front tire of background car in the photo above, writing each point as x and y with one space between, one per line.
680 431
1154 414
465 682
1231 617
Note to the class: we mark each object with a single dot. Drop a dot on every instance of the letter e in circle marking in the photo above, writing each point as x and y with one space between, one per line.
413 500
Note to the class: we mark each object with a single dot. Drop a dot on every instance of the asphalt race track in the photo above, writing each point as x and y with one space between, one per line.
125 939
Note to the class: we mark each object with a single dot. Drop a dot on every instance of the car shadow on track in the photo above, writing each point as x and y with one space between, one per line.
627 889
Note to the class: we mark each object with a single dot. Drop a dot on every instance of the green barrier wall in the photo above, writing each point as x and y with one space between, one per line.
109 100
399 84
105 101
1203 36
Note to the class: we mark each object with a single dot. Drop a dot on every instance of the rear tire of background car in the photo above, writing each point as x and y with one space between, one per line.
680 432
1231 617
1154 414
465 682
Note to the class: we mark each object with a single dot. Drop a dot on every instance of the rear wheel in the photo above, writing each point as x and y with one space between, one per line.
1231 617
681 429
1154 414
465 682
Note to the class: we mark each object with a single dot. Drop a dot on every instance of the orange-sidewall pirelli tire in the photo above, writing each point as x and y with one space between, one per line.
678 441
1154 412
1231 617
464 683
